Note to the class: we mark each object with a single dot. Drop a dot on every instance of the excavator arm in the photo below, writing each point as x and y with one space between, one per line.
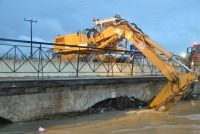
178 84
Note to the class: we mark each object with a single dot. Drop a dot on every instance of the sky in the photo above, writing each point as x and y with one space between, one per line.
173 24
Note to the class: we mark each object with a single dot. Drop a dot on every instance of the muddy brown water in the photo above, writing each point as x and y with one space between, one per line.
184 118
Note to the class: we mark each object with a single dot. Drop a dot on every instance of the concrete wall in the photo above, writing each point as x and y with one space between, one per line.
28 99
197 88
54 68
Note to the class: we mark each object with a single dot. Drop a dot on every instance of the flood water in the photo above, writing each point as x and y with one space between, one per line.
184 118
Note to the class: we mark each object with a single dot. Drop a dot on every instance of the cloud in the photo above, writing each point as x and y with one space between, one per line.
24 37
50 25
47 29
37 39
6 32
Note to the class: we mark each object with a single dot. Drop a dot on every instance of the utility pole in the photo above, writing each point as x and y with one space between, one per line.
31 30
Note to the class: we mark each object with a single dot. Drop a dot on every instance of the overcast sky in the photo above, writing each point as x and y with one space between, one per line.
173 24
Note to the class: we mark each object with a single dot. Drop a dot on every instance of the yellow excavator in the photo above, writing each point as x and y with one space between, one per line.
107 33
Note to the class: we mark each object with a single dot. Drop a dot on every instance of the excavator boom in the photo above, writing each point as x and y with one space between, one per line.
115 29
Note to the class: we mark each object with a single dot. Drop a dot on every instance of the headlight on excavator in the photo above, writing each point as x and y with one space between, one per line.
118 31
192 63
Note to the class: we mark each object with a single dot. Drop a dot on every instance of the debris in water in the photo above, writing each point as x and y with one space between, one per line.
192 102
40 129
111 104
118 103
161 108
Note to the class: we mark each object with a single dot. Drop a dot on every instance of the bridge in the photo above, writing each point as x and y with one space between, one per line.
43 83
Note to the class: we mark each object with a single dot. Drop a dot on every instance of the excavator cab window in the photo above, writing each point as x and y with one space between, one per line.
196 49
189 50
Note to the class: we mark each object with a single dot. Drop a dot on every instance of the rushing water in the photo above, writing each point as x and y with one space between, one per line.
184 118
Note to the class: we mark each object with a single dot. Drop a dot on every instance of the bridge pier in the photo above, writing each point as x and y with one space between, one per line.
22 100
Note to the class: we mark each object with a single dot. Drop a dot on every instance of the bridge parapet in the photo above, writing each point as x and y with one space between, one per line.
16 61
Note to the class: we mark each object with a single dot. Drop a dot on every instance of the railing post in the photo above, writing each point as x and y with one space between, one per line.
108 64
39 59
151 70
15 55
143 64
40 64
112 65
132 65
60 62
112 69
77 67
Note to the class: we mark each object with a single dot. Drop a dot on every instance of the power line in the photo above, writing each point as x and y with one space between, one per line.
75 8
59 11
53 10
182 11
66 7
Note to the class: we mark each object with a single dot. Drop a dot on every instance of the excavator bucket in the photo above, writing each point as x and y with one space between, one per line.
172 92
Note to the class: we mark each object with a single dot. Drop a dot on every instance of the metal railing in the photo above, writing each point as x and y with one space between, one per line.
17 61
